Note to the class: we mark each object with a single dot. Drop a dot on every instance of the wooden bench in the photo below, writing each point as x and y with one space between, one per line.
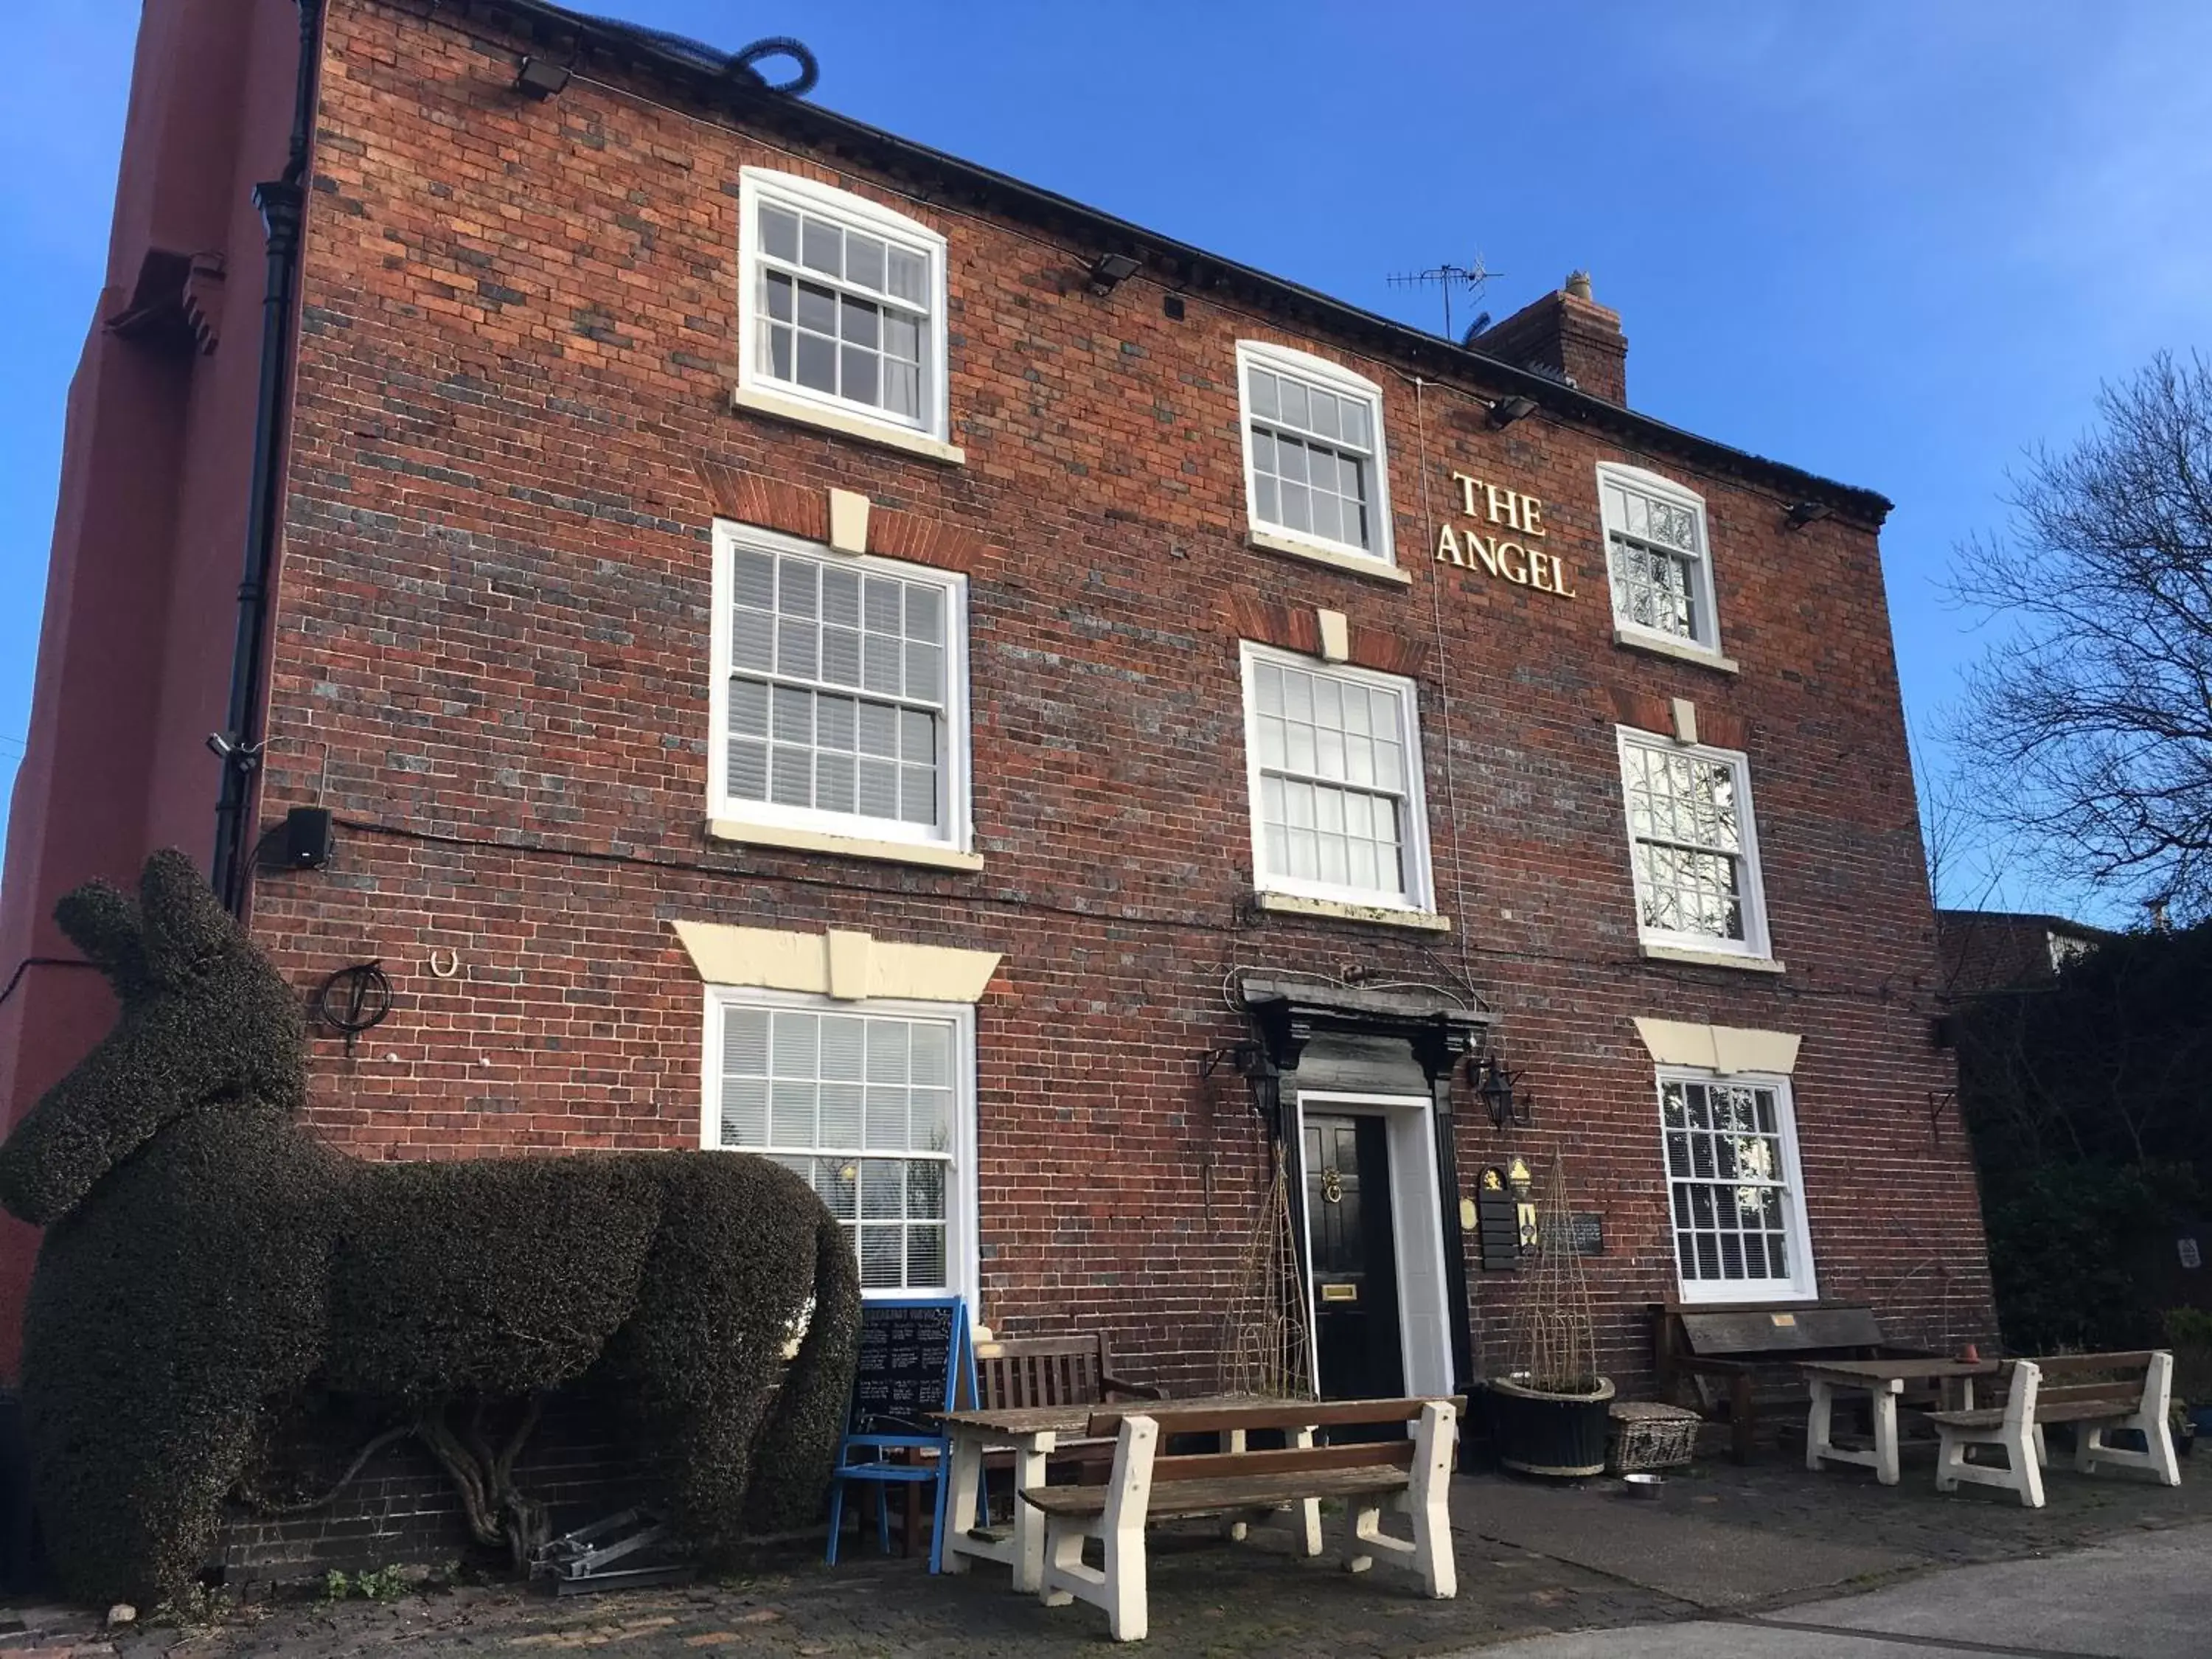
1411 1474
2097 1393
1747 1354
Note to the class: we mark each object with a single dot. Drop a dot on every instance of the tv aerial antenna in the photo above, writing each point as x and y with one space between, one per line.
1446 277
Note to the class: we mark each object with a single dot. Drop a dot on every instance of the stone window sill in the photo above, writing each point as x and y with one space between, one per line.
1358 564
1713 959
1660 646
851 847
800 413
1380 915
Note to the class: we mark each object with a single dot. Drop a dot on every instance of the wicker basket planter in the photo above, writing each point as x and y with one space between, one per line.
1645 1435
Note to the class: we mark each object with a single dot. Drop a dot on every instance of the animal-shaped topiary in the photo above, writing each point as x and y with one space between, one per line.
206 1258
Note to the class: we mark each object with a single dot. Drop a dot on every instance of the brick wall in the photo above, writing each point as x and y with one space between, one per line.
490 660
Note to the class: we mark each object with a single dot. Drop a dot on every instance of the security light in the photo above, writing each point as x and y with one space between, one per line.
537 78
1805 513
1506 410
1110 271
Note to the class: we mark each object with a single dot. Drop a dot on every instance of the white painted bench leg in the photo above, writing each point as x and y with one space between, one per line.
1434 1439
1122 1528
1818 1420
1950 1457
2042 1449
2028 1469
1365 1537
1063 1560
1308 1524
1236 1528
1029 1468
2088 1441
966 1478
1884 1436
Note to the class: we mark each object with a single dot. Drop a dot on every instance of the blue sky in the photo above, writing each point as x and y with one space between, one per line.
1894 243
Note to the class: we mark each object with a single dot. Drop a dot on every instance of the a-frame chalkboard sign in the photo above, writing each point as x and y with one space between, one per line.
917 1358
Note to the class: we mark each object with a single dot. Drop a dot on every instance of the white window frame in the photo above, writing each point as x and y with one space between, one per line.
962 1254
955 829
1803 1284
1755 945
759 185
1706 640
1330 377
1420 887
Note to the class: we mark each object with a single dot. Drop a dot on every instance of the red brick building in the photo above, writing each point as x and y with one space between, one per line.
812 646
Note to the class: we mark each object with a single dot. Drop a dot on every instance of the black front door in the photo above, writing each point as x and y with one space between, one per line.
1355 1261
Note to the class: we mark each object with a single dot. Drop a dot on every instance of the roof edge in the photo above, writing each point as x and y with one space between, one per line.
1190 266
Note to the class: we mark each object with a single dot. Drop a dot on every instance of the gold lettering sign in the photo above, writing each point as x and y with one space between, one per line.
1506 552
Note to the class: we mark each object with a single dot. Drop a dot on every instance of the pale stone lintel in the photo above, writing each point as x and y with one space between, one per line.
850 966
851 847
848 521
1724 1048
1360 564
1660 646
1382 915
749 399
1711 958
1335 635
1686 721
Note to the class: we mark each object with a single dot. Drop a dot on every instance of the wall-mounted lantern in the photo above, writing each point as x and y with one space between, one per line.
1498 1088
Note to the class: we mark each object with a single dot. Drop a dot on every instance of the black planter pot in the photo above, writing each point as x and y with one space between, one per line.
1554 1434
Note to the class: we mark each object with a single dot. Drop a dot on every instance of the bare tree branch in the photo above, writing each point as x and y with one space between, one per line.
2089 729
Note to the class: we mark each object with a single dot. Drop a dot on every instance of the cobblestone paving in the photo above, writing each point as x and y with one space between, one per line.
1208 1597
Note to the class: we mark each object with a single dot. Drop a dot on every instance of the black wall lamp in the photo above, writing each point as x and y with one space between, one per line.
1804 513
1110 271
537 78
1506 410
1497 1087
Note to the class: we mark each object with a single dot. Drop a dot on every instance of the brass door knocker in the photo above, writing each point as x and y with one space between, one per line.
1332 1186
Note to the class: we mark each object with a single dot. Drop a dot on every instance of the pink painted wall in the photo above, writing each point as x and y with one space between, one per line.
134 655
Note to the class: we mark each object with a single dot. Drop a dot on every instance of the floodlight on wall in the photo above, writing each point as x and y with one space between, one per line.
1506 410
1804 513
538 78
1110 271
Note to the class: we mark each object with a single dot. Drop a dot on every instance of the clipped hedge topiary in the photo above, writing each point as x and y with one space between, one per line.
205 1257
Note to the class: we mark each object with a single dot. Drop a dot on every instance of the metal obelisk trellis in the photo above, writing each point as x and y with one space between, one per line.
1267 1347
1552 1340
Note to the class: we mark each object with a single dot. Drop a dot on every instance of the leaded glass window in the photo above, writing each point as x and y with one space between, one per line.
864 1108
1690 837
1730 1171
1656 556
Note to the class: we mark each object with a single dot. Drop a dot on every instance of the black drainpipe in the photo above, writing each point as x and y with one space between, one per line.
283 204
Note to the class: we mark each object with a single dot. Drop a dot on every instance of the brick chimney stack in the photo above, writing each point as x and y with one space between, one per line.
1567 333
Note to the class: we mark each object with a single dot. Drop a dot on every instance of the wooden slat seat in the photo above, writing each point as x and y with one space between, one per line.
1264 1491
2076 1411
1412 1473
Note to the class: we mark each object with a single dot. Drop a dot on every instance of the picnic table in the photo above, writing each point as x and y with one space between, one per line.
1032 1433
1883 1381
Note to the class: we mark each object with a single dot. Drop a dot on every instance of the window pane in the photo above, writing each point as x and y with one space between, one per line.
818 362
909 276
779 230
822 247
863 261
